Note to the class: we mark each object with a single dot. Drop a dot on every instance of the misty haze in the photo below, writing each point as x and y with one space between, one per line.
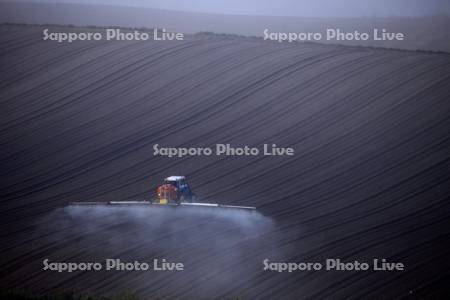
302 8
424 23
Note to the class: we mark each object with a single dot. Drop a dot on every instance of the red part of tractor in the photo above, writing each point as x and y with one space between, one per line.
166 193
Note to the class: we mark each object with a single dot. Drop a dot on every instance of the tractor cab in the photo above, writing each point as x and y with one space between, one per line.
175 189
176 181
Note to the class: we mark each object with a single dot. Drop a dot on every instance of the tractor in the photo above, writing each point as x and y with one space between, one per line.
174 190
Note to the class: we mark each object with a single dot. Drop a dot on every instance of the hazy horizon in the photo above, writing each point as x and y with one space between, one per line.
296 8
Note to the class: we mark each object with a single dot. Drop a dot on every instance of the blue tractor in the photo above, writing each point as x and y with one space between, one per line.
174 192
175 189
